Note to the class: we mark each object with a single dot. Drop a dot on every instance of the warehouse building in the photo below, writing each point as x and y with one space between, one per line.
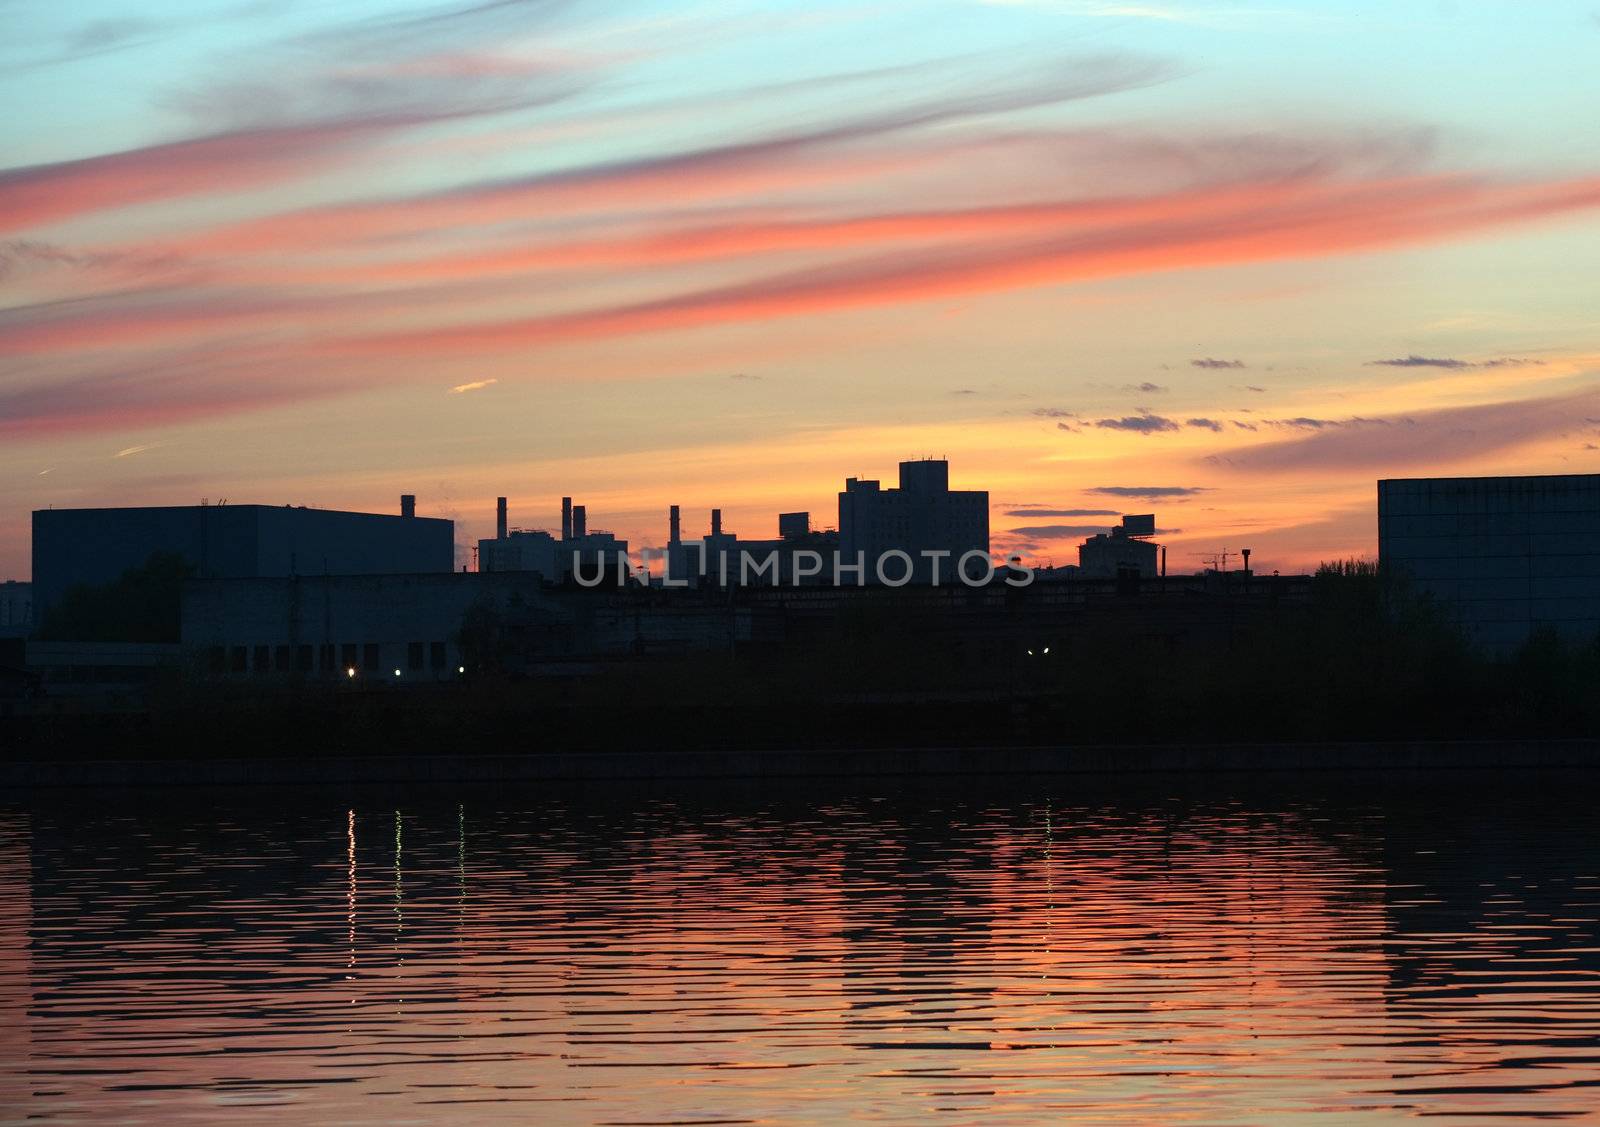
95 546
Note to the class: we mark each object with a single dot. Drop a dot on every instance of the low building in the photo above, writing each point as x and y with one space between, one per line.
95 546
16 609
798 556
406 630
1507 555
102 673
588 553
1121 551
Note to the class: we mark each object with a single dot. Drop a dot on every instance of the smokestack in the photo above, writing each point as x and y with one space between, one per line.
673 525
499 518
408 504
1163 561
566 518
716 522
579 522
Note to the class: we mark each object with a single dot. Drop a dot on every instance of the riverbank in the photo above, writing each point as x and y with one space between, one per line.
590 766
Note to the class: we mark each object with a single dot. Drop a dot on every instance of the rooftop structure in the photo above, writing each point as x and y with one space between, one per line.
1124 549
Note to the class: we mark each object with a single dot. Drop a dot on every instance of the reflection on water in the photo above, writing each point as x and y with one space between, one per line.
1028 954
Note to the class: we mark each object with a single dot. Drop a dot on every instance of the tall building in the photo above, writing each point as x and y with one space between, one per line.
72 546
1507 555
923 515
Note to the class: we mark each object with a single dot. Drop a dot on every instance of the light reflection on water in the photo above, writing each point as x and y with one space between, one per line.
967 954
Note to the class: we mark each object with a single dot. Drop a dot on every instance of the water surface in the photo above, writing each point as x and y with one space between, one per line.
1026 953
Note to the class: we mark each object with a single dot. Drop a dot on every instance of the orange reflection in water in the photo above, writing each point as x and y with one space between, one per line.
963 954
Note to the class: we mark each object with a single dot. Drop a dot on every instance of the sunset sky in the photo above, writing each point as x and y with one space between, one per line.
1226 262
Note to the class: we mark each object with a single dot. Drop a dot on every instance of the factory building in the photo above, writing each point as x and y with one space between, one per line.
95 546
1507 555
536 550
722 559
410 630
923 515
1122 551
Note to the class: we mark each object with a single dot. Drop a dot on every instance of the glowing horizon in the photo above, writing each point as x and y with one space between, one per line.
1251 258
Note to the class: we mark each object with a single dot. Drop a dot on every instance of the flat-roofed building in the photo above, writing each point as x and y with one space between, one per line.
923 515
95 546
1508 555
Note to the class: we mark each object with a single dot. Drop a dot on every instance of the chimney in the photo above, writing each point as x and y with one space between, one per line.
673 525
408 504
1163 561
716 522
566 518
579 522
499 518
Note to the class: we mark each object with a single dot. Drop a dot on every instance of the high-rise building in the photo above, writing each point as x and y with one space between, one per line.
924 515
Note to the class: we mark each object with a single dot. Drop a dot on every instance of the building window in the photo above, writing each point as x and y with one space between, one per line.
369 657
436 654
325 655
302 659
282 658
263 659
349 661
238 660
414 655
217 659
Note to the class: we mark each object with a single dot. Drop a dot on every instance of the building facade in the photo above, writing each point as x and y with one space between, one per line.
922 515
95 546
410 630
1507 555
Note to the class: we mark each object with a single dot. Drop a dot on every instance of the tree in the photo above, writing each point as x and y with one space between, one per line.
143 604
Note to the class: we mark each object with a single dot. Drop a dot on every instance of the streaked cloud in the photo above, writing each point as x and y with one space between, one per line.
1058 531
1452 363
1142 423
474 385
1149 492
1034 512
1441 438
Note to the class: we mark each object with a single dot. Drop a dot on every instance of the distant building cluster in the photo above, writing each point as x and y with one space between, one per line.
299 592
923 524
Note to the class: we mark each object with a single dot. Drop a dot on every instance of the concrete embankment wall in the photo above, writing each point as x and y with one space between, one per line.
1207 759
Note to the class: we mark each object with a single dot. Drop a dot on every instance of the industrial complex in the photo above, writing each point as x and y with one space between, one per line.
293 593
